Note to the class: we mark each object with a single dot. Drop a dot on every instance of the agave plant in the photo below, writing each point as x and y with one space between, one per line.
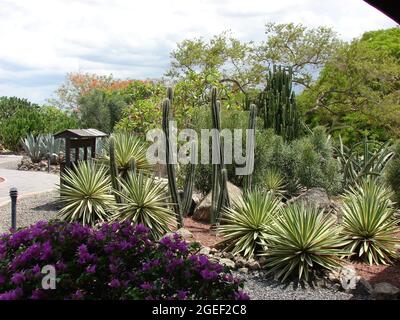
301 240
51 147
129 150
145 201
247 222
85 194
367 158
274 182
33 147
369 224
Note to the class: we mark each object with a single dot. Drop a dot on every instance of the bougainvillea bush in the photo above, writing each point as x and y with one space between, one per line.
115 261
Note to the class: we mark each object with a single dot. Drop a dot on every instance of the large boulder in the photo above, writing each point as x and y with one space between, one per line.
315 197
203 210
385 291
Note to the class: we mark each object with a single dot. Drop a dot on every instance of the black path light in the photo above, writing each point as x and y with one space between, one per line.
14 196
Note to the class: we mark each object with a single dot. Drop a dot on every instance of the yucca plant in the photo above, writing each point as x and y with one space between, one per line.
33 147
247 222
129 150
274 182
145 201
369 224
85 194
300 241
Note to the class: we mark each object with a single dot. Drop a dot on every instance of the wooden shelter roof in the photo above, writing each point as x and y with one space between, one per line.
80 133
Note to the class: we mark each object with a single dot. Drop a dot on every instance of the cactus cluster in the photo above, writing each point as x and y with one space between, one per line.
277 101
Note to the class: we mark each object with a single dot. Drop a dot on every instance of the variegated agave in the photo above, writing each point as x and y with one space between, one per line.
247 222
85 194
300 241
369 224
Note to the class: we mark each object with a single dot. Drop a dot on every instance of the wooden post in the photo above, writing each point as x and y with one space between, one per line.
93 148
67 153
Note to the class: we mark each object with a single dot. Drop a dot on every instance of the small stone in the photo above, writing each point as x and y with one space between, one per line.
227 263
213 250
240 262
364 287
243 270
253 265
334 276
262 261
185 234
228 255
205 251
385 291
348 278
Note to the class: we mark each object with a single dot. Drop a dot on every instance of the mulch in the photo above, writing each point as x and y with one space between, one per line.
202 233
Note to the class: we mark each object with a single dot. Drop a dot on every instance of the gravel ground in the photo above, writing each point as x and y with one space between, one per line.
261 287
30 210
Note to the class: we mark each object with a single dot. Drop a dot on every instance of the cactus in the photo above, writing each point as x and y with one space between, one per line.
279 105
114 169
250 152
219 193
189 183
173 190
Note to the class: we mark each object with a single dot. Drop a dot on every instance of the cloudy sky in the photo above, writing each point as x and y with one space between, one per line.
42 40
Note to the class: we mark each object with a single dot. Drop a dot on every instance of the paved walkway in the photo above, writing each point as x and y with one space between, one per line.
26 182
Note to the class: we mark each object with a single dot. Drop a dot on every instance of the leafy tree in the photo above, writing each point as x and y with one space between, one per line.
357 91
100 110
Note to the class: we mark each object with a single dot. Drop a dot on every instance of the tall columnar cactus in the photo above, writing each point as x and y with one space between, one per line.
114 169
251 147
173 190
279 105
189 182
219 193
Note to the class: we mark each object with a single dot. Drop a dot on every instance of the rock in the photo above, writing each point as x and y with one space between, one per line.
262 261
197 197
334 276
385 291
203 209
205 251
243 270
240 262
227 263
364 287
348 278
213 251
252 264
228 255
184 233
314 197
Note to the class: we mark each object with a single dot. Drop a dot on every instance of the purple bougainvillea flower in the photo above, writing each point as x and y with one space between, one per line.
240 295
181 294
91 268
146 286
18 278
12 294
114 283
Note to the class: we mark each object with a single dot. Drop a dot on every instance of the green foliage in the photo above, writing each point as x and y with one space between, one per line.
128 149
19 117
248 221
278 104
367 158
385 39
85 194
392 173
369 225
274 182
100 110
33 147
145 201
302 240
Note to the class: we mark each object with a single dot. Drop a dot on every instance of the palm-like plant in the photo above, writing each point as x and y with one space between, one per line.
129 151
247 222
33 147
85 194
368 223
274 182
145 201
300 240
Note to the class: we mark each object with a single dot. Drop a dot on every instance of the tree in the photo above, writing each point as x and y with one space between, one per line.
357 91
100 110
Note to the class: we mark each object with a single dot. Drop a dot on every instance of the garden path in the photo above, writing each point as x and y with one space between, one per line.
27 182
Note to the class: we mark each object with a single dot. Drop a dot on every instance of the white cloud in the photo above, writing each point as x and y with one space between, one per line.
44 39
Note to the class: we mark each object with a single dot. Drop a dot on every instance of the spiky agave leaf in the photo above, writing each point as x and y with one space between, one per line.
33 146
128 149
145 201
85 194
300 240
368 223
247 222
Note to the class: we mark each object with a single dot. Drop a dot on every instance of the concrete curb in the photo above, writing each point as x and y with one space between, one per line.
26 195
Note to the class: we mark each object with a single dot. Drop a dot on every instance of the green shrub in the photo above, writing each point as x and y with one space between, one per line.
369 225
247 222
302 240
392 173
